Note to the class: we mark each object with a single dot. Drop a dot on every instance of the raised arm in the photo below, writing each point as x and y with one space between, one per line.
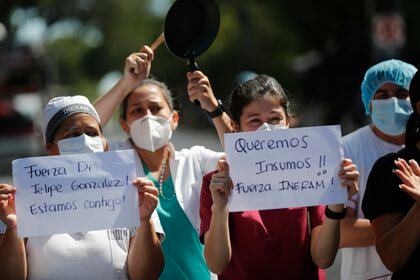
136 69
145 257
199 88
12 249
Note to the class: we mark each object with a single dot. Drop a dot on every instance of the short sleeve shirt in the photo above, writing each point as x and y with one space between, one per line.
383 196
269 244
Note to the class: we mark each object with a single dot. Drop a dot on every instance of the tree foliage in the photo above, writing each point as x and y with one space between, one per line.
318 50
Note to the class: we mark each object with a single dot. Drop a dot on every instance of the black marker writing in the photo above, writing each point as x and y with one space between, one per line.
47 189
83 166
42 208
241 145
252 188
322 159
104 183
301 185
110 203
244 146
265 166
33 171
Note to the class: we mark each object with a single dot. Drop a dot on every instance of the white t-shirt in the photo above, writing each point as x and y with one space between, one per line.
363 147
98 255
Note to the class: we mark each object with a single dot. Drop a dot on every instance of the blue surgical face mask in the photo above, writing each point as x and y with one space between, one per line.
390 115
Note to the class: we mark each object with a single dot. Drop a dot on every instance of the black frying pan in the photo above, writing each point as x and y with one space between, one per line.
190 28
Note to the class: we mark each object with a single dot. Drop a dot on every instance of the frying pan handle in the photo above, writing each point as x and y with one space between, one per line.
193 66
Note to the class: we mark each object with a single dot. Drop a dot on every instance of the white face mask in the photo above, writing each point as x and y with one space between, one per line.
151 132
80 145
268 126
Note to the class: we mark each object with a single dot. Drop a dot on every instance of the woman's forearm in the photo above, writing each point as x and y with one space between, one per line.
13 256
223 125
217 249
326 241
108 103
145 258
356 232
398 243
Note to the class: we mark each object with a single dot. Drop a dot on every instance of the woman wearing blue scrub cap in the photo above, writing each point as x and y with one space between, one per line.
386 99
385 95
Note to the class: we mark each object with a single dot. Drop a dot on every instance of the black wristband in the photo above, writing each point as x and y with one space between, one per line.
219 110
335 215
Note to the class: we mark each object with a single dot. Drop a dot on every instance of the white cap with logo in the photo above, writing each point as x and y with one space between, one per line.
59 108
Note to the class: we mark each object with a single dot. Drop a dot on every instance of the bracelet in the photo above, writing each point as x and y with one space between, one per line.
218 111
335 215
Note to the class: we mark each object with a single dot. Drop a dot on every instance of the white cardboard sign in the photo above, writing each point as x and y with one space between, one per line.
285 168
74 193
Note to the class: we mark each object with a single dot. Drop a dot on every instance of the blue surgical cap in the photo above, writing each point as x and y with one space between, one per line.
390 71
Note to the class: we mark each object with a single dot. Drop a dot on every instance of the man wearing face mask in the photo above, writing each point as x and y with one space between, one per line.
385 97
72 126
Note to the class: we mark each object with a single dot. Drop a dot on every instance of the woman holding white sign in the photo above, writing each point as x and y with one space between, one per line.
148 117
271 244
72 126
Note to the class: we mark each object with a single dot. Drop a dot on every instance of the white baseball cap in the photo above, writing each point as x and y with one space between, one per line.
59 108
